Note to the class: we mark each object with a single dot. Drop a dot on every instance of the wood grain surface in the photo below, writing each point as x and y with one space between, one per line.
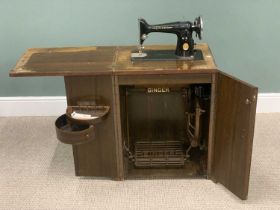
98 157
234 130
102 74
104 60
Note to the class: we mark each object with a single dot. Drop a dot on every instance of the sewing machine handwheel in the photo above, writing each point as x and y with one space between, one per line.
199 24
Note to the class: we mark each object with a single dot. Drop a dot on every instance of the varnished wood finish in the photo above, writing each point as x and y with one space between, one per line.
117 128
104 61
73 134
211 126
234 129
149 120
191 78
101 74
99 157
65 61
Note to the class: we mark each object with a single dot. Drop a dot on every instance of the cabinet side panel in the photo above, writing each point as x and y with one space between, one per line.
211 128
234 129
118 128
96 158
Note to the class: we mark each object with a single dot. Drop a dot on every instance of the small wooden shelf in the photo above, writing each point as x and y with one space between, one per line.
97 114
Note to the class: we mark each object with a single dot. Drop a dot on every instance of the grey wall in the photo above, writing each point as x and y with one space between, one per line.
243 35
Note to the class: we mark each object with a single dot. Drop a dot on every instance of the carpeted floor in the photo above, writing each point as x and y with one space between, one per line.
37 172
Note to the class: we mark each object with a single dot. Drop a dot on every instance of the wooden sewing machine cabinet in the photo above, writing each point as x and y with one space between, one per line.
143 107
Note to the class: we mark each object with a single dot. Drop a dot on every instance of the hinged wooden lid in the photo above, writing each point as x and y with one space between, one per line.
78 61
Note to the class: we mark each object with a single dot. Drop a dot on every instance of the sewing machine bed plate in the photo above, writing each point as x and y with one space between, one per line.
165 55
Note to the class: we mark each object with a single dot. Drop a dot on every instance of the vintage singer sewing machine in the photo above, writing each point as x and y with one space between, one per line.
158 112
185 43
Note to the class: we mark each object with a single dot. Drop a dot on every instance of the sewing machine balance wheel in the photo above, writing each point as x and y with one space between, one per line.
199 24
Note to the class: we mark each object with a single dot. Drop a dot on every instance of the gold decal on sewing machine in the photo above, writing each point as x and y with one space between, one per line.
186 46
158 90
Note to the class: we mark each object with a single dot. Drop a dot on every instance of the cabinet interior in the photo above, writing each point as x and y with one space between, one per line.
165 130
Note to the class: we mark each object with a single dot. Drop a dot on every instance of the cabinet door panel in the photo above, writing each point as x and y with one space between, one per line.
233 135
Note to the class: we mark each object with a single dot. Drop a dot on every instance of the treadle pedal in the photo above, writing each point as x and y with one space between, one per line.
158 154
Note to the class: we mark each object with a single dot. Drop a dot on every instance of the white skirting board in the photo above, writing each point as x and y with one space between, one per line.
32 106
56 105
268 103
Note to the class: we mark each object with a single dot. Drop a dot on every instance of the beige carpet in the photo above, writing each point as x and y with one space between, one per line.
37 172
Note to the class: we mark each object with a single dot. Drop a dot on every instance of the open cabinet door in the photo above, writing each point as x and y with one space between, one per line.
233 135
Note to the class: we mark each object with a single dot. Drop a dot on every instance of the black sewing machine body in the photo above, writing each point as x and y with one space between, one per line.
185 42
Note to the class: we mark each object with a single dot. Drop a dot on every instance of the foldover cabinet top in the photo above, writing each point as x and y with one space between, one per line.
106 60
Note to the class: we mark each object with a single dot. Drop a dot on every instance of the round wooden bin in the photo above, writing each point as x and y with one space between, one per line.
70 133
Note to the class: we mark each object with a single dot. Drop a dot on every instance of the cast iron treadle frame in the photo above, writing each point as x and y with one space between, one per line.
153 154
